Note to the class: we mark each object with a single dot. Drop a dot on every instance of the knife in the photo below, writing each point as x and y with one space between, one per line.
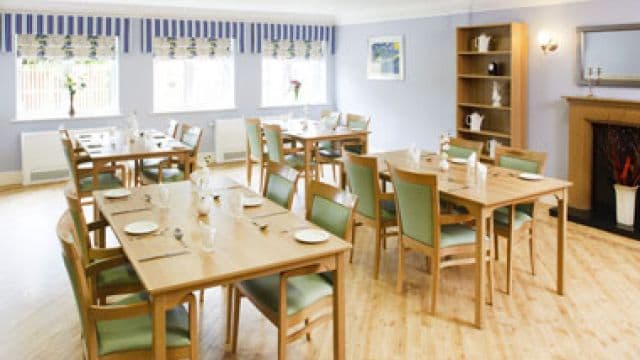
163 256
129 211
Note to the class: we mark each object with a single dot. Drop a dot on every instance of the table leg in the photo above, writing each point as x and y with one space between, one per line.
338 308
159 327
562 238
308 145
481 225
512 235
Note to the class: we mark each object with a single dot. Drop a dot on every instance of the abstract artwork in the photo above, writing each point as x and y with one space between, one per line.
385 58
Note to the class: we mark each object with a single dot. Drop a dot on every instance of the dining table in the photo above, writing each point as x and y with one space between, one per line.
481 195
249 242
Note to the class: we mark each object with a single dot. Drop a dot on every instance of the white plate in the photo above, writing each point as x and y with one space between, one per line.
141 227
252 201
311 236
457 160
117 193
530 176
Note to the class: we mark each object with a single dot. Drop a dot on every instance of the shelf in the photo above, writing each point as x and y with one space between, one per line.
484 106
485 133
482 76
488 53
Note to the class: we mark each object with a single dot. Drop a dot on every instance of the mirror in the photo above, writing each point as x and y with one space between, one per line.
609 55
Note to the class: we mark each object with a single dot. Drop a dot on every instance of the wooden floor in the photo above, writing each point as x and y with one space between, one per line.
598 318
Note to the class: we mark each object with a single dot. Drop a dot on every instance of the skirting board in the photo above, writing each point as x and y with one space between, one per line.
10 178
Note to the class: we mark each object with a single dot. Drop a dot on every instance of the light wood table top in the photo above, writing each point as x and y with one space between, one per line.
241 249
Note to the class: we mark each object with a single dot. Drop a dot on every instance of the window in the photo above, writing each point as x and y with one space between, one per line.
278 72
41 91
199 83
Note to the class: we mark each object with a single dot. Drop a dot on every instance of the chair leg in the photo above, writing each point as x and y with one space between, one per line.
236 321
333 170
496 246
262 173
230 325
376 266
384 238
306 325
435 282
400 279
490 276
201 297
282 337
353 241
427 261
532 251
249 171
509 263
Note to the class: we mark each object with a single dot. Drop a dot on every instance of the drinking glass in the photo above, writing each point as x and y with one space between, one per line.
208 236
163 196
234 203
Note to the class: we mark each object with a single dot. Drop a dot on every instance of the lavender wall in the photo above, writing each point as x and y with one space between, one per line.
136 79
422 106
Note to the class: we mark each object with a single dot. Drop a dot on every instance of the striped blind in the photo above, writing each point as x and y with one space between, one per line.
265 34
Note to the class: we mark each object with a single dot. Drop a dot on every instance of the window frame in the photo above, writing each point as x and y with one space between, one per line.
296 105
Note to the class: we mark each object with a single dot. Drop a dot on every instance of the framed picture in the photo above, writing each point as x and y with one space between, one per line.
385 58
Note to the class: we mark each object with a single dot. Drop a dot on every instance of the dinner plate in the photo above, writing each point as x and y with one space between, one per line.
252 201
141 227
311 236
457 160
117 193
530 176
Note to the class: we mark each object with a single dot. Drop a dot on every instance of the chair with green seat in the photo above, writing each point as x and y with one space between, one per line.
327 151
280 185
82 176
463 148
122 330
308 291
173 170
171 131
512 221
276 151
424 229
375 208
255 153
118 279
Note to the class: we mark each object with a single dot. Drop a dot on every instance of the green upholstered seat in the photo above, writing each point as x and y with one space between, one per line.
105 181
454 235
362 182
329 215
296 161
279 189
354 148
117 276
151 163
524 212
330 153
501 217
330 120
130 334
515 163
254 132
388 209
168 174
302 291
459 152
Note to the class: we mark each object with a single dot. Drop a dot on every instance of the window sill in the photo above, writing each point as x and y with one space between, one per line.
65 118
172 112
291 106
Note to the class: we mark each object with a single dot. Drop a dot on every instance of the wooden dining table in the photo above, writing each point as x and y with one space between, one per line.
502 187
242 249
103 148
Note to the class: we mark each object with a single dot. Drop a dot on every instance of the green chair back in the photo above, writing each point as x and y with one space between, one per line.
191 137
363 181
524 161
330 215
279 189
515 163
415 206
254 134
273 138
459 152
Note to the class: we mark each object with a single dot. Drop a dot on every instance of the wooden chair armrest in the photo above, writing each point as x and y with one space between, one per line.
105 253
311 269
96 267
449 219
96 225
113 312
387 196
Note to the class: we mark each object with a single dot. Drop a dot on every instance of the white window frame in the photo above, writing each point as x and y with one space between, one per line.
294 104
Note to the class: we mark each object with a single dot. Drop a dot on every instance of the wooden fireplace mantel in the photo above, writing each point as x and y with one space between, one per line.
583 112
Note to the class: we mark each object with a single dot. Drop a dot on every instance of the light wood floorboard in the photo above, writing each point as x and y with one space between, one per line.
598 318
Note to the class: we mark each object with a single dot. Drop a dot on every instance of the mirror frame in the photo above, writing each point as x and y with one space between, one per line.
581 31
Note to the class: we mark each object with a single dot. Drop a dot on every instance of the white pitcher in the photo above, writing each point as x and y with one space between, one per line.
482 42
474 121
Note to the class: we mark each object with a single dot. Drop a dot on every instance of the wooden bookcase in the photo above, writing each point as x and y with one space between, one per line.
509 49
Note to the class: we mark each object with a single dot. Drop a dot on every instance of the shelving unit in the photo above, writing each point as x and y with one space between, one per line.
509 49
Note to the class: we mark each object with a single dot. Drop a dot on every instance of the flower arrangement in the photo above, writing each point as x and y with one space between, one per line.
295 87
622 148
72 86
445 139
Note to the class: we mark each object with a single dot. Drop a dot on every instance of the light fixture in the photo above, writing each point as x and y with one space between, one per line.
547 43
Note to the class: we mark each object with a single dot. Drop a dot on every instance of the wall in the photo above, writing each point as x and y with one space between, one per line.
136 78
422 106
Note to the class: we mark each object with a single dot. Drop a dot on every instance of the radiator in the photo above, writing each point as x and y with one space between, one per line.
230 140
42 158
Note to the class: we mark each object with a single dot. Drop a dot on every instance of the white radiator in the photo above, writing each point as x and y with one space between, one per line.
42 158
230 140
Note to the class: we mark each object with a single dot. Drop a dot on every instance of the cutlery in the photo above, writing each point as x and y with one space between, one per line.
151 234
129 211
260 225
164 256
268 215
178 234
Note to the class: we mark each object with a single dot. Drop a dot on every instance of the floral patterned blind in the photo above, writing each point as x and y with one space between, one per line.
65 46
294 49
176 48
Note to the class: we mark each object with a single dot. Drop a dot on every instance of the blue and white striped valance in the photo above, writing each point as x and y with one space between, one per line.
12 24
183 28
261 33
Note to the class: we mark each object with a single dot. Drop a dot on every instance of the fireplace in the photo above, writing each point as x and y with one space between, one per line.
591 199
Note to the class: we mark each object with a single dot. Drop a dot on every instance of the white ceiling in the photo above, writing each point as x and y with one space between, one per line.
328 11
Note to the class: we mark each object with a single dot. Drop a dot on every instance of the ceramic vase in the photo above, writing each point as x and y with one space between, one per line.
625 204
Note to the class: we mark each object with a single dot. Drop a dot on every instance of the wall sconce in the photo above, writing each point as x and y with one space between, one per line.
547 43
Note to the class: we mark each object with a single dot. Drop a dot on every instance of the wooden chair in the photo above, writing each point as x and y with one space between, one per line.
172 128
255 150
81 171
422 228
277 153
120 278
375 208
122 330
280 185
308 291
172 132
357 122
173 169
463 148
512 221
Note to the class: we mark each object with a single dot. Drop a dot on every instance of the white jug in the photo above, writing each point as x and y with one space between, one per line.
482 43
474 121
